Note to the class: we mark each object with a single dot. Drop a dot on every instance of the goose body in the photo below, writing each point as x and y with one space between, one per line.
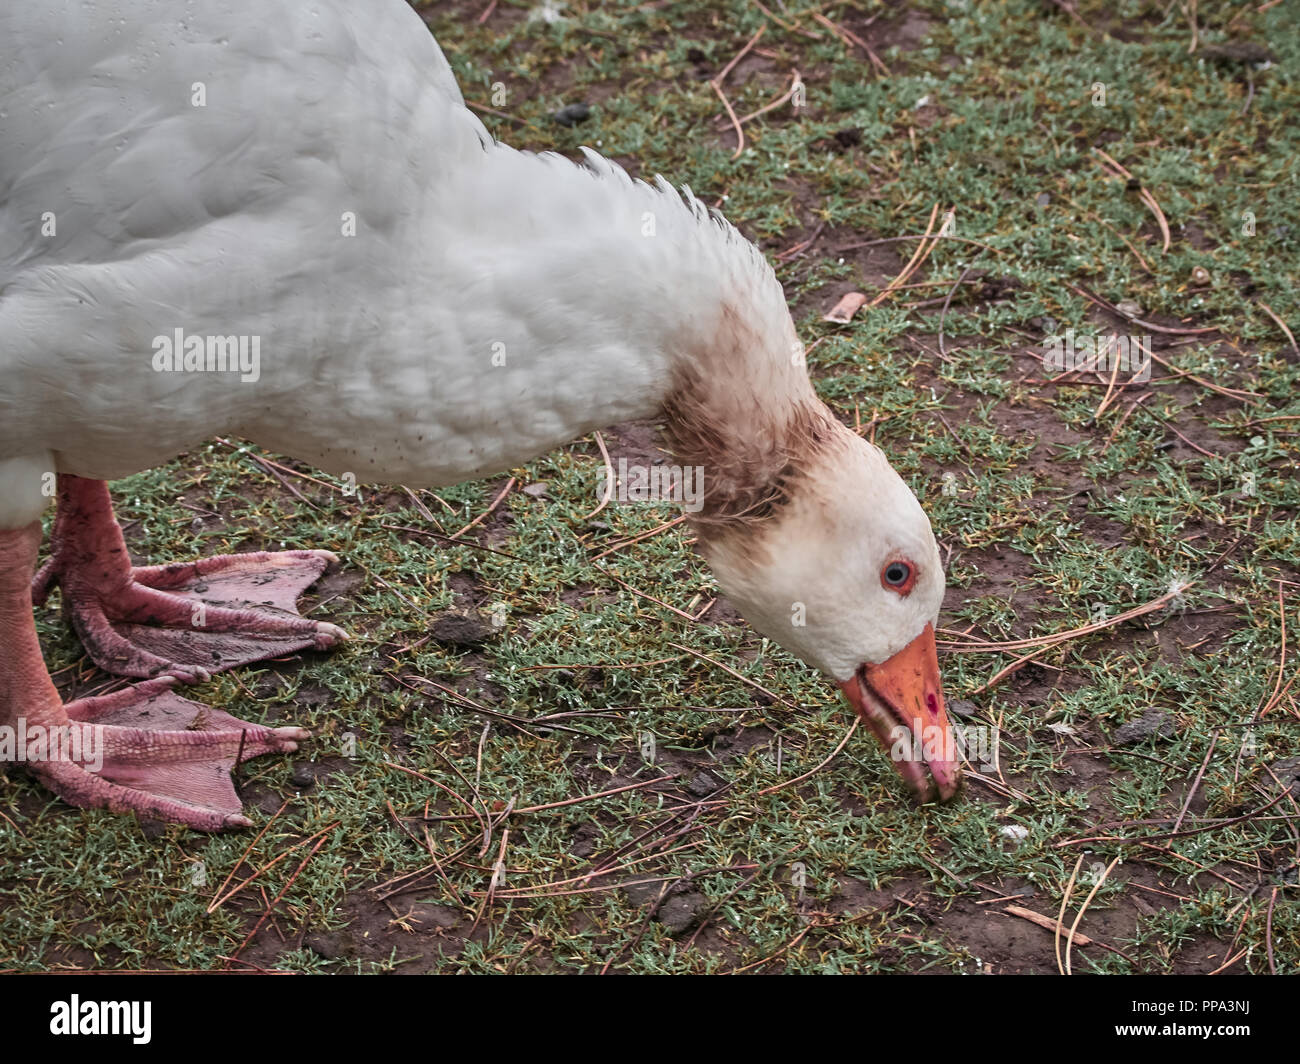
339 203
280 221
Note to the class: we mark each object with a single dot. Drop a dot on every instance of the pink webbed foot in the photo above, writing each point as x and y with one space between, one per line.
189 619
147 750
143 749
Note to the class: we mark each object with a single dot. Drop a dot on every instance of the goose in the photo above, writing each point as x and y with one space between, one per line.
281 222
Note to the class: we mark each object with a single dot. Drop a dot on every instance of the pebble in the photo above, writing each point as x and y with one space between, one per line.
460 629
1153 724
572 114
703 783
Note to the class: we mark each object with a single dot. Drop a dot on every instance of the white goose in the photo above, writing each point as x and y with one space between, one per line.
426 306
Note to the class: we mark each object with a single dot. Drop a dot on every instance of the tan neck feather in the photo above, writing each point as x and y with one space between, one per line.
749 417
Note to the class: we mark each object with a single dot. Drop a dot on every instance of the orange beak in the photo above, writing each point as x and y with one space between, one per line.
901 701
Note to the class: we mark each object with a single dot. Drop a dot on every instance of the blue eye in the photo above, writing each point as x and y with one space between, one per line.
898 576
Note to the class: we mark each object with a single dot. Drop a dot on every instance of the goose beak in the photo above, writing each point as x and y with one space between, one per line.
901 701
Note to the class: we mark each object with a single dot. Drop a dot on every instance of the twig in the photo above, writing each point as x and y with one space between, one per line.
1110 388
786 25
1167 330
218 902
1146 197
244 856
735 122
982 646
918 257
1045 922
600 665
816 769
1268 931
1216 826
566 802
276 900
495 503
796 84
946 301
1065 901
1015 666
896 239
1069 941
1196 783
637 539
499 114
851 38
443 787
767 960
722 75
649 598
1237 394
732 672
609 478
1280 323
716 85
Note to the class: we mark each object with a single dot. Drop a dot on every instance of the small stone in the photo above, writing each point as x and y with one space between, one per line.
679 913
1200 275
537 490
1015 833
460 629
1153 724
324 945
152 829
703 783
572 114
850 137
1287 770
1129 308
1238 52
961 707
302 775
1042 199
644 893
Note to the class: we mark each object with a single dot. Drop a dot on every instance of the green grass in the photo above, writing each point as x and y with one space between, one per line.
1010 118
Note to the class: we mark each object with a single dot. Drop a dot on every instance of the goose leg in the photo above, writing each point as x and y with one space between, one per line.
143 749
187 620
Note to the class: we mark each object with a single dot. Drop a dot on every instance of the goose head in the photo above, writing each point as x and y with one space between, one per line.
834 559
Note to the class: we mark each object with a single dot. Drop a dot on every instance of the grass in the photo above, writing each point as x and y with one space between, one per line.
1054 517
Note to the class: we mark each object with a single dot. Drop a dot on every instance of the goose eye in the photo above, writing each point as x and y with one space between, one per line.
898 576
